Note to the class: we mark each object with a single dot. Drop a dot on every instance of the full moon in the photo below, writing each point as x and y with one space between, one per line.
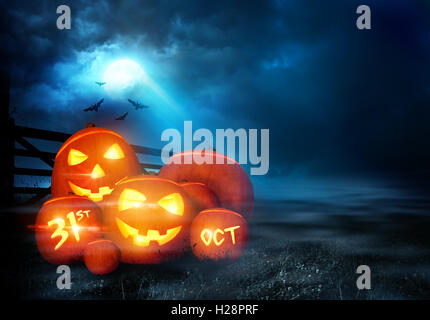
125 79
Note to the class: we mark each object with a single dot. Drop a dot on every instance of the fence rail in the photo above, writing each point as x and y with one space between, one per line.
20 134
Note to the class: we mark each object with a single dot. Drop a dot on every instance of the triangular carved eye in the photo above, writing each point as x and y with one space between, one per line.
114 152
130 198
76 157
173 203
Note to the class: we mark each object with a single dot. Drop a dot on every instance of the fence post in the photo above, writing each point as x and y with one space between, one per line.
7 142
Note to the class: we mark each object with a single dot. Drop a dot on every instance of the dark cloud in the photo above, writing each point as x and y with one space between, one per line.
335 99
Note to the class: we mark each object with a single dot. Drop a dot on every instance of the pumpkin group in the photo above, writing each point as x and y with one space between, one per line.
103 212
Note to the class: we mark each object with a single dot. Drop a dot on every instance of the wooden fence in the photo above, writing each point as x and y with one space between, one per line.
20 135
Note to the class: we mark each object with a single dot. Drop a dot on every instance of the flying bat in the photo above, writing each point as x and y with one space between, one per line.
137 105
95 107
100 83
122 117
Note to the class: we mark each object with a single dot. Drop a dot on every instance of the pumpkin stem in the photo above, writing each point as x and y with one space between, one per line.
90 125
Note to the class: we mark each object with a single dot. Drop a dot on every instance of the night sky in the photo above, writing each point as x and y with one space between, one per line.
338 101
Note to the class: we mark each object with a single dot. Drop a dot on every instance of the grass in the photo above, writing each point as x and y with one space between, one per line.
306 258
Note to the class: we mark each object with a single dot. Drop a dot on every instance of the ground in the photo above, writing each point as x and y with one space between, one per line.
298 250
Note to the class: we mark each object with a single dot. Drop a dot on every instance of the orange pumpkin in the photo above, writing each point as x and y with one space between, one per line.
101 256
219 235
200 195
90 162
64 226
148 218
223 176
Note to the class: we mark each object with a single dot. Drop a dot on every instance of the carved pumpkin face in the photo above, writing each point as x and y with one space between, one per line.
90 162
64 226
219 235
148 218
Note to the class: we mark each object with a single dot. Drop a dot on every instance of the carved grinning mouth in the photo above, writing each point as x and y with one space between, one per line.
103 191
151 235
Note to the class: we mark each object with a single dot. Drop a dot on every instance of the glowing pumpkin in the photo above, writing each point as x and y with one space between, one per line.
148 218
200 195
90 162
101 256
223 176
64 226
219 235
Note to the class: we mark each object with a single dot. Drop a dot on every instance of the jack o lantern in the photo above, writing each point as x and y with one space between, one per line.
219 235
101 256
200 195
90 162
148 218
64 226
223 176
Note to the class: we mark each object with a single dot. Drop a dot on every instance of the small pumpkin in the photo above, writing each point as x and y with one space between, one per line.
223 176
64 226
202 197
148 218
219 235
90 162
101 256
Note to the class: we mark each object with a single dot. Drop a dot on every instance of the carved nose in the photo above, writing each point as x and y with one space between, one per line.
97 172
